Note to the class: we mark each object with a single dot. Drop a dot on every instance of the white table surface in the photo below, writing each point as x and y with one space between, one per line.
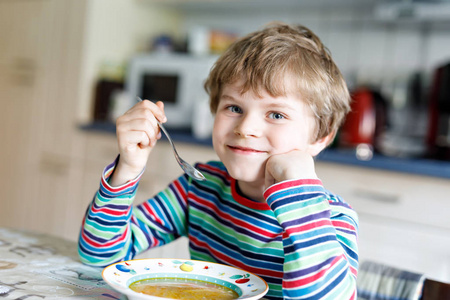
37 266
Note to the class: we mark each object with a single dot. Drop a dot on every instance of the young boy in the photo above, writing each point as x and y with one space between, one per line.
278 100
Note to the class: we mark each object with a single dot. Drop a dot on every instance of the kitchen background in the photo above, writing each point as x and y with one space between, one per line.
57 129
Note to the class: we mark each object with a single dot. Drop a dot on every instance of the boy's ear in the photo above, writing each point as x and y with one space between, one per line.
316 147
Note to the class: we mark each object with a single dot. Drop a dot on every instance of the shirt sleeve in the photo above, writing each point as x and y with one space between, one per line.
114 230
319 240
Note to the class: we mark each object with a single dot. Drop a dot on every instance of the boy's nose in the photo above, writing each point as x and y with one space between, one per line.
248 126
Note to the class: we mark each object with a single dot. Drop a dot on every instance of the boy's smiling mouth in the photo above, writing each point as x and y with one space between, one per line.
244 150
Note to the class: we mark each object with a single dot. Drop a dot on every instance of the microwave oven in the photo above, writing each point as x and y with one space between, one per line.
175 79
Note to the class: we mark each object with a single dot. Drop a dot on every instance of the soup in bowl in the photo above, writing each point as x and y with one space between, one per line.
188 289
183 279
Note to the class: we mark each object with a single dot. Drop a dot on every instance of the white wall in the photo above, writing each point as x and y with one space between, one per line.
365 48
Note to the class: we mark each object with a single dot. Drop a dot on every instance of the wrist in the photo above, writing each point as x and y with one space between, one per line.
124 173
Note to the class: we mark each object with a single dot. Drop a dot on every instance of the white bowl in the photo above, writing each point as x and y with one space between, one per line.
120 275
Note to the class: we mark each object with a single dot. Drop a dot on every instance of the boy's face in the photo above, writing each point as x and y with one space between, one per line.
248 130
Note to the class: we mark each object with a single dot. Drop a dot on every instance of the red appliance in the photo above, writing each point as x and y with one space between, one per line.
366 120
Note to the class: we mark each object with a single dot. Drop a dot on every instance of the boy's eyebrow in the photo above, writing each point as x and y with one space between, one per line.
279 105
270 105
225 96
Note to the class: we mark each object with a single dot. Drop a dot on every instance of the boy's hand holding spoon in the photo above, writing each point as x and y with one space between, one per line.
137 134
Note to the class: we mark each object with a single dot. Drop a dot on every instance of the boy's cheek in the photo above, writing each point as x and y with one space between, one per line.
315 148
313 151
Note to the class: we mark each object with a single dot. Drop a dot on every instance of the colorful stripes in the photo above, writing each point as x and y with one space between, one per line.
302 241
317 262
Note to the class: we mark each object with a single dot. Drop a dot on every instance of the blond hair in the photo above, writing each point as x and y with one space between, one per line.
262 60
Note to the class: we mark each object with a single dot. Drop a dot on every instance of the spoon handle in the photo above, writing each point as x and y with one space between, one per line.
187 168
170 141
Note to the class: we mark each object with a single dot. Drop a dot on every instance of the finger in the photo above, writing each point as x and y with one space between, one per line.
157 109
135 107
160 116
148 126
140 108
135 138
163 118
144 110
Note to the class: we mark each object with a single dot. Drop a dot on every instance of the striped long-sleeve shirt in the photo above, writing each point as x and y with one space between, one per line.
302 241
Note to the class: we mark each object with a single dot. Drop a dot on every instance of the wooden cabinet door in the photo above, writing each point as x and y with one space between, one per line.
59 144
21 27
40 56
59 79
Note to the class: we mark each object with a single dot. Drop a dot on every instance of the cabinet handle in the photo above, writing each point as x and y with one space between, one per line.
53 166
376 196
23 72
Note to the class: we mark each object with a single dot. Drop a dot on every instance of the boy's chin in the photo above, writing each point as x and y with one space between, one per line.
247 174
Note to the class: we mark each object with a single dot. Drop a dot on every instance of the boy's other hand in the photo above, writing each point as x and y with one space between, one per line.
137 133
295 164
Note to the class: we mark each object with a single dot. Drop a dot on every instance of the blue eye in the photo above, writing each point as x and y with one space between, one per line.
276 116
234 109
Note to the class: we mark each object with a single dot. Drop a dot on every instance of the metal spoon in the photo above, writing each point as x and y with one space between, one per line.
187 168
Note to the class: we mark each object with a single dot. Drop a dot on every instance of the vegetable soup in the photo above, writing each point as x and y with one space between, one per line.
181 288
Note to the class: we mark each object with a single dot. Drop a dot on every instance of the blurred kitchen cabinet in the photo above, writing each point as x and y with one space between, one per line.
49 58
60 79
56 199
39 60
404 219
58 142
18 75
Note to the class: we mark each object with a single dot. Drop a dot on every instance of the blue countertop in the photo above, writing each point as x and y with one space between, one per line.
428 167
419 166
